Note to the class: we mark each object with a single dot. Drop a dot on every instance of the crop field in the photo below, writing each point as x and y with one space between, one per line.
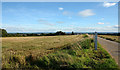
67 51
35 45
111 37
25 46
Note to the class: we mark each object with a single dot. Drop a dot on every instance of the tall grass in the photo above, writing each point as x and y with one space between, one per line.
78 55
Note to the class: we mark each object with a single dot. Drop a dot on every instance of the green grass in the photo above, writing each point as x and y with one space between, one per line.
77 55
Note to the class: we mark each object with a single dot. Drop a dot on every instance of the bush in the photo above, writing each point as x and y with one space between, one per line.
72 52
85 36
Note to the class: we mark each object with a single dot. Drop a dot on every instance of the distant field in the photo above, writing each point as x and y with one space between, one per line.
72 51
110 37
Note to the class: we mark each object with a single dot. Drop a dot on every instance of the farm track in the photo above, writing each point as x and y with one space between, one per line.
112 48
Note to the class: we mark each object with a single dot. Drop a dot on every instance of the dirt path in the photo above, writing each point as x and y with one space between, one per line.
112 48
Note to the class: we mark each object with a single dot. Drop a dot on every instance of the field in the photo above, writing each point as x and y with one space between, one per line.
72 51
111 37
35 45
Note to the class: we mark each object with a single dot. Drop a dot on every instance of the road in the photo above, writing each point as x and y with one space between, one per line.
112 48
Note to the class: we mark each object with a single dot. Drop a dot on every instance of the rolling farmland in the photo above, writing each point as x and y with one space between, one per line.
67 51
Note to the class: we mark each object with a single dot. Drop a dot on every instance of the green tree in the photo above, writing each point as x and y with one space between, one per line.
60 33
72 33
3 33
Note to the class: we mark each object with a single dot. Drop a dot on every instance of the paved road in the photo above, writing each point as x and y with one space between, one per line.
112 48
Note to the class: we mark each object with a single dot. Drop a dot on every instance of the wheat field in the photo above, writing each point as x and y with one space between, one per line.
42 45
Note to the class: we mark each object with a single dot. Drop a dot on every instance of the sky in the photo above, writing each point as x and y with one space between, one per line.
32 17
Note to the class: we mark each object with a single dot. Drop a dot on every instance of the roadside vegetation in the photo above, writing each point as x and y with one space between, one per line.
111 37
75 54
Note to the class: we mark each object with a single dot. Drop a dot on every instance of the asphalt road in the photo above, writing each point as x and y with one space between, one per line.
112 48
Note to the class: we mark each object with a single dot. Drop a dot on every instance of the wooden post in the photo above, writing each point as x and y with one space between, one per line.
95 41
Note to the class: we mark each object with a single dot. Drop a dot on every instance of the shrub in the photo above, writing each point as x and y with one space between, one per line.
72 52
85 36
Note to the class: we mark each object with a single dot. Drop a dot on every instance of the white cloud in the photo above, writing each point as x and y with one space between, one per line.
86 13
67 13
50 24
59 22
116 26
107 23
106 4
42 20
98 29
45 22
100 23
108 26
26 28
13 28
0 25
102 19
60 8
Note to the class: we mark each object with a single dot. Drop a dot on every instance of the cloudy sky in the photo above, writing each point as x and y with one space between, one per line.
55 16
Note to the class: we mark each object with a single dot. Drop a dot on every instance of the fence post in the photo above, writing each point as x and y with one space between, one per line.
95 41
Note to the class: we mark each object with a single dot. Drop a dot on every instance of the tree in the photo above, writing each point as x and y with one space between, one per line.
60 33
3 33
72 33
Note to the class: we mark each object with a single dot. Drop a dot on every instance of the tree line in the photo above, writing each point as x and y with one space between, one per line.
3 33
